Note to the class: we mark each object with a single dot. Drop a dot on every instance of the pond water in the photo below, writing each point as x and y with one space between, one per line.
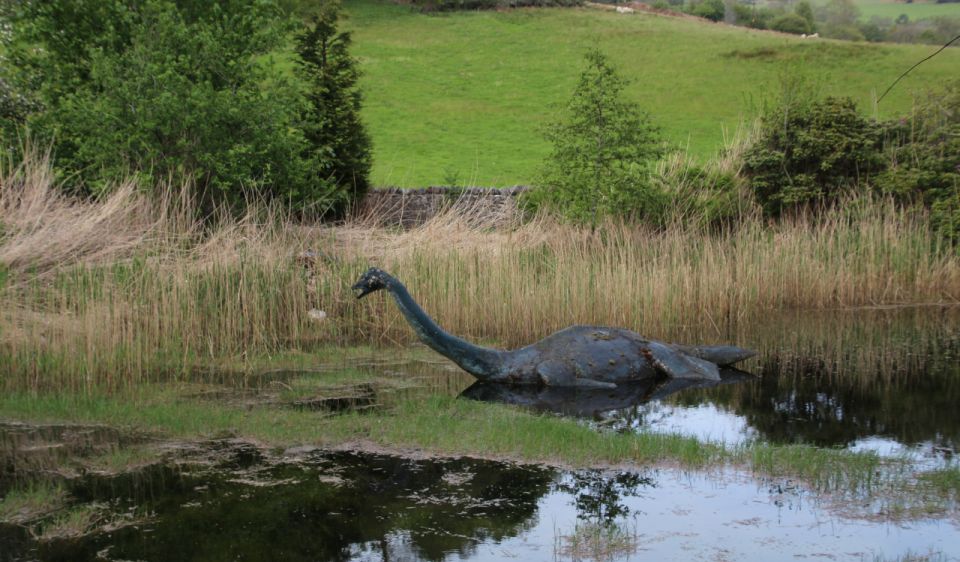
886 381
349 506
882 380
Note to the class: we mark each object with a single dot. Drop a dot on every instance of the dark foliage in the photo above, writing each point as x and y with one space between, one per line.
812 153
925 159
332 123
712 10
183 90
454 5
791 23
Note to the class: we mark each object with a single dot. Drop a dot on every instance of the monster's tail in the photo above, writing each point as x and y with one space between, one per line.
722 355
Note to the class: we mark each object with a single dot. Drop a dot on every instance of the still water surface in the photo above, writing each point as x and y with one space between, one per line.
348 506
886 381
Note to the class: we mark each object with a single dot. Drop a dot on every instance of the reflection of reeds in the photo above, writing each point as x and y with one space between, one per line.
861 345
110 292
598 541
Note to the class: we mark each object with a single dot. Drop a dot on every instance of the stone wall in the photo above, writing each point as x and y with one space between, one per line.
413 207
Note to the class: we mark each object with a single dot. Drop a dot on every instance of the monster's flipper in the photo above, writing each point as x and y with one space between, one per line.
679 365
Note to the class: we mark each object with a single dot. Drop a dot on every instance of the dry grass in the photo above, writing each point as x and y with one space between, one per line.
113 292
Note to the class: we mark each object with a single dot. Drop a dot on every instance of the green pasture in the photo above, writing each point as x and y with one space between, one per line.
915 10
459 97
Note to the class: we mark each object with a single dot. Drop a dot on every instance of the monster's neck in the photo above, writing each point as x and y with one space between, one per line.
481 362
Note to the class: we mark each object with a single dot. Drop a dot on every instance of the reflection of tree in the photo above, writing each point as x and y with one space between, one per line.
597 495
803 400
394 507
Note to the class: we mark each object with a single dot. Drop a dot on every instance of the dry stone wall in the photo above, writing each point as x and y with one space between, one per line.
412 207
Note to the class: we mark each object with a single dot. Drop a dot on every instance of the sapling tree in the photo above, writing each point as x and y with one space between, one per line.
602 149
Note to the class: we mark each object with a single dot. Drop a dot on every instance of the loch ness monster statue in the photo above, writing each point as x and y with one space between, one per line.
578 356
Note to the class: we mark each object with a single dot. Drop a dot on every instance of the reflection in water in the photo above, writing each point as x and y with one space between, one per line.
330 507
599 497
593 402
845 378
349 506
880 380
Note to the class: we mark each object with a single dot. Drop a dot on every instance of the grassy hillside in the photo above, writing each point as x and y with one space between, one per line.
915 10
462 94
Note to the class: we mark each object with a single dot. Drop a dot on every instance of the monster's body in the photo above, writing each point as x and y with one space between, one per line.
578 356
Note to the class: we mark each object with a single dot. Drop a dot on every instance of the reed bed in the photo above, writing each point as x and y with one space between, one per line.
110 293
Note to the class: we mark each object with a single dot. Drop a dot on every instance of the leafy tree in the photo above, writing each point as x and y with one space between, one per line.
602 150
174 89
332 121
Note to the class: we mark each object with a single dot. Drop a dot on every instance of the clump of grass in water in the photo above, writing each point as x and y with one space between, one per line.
599 541
35 500
82 519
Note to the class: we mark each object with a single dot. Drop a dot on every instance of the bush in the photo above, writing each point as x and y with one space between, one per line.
924 159
805 11
791 23
171 89
707 196
810 153
602 151
712 10
843 32
752 16
874 30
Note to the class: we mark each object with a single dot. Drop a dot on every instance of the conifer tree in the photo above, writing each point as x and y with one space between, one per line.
338 139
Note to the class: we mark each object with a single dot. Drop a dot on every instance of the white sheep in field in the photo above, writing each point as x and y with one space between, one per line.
624 10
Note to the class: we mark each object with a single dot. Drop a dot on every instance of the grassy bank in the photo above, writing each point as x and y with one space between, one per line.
125 290
503 73
448 426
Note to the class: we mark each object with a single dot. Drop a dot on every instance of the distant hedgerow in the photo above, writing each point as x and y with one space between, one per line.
454 5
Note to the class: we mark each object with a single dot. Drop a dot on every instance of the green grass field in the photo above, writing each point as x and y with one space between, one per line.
462 95
915 10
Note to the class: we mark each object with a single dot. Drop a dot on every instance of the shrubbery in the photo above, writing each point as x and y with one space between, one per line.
712 10
752 16
791 23
173 90
924 158
810 153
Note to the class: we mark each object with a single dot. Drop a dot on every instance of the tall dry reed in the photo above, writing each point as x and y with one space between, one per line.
113 292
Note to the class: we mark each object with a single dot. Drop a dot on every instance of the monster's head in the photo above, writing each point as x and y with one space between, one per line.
373 280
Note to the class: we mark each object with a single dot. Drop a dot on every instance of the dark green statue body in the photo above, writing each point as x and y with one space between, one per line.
582 356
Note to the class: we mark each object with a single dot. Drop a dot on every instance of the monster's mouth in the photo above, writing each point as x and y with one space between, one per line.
361 289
